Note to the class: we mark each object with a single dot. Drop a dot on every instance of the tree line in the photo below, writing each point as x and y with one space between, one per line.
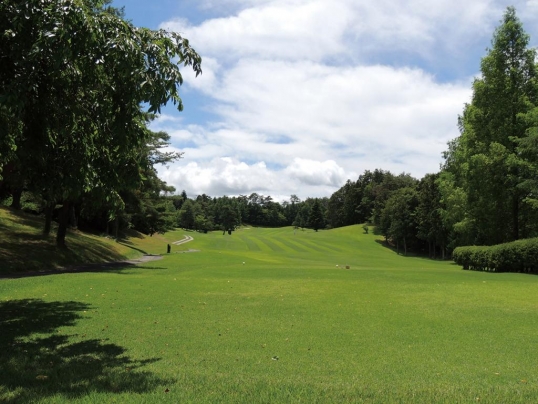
226 213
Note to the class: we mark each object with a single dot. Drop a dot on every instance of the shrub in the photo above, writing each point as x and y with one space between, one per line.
517 256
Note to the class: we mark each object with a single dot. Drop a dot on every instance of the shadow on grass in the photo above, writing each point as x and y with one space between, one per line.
31 252
18 217
409 254
130 233
119 268
130 245
38 253
37 362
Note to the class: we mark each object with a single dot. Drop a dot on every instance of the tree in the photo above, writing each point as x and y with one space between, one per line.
398 218
187 215
292 208
229 218
76 97
428 215
489 167
301 219
355 201
381 191
316 220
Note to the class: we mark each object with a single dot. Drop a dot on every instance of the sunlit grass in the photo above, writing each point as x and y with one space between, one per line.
266 315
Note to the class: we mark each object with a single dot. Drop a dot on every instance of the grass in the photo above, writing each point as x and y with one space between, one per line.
23 248
288 325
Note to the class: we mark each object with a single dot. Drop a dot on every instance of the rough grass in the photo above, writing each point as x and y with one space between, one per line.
288 325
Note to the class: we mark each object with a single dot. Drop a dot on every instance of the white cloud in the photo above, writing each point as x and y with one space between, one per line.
291 31
228 176
313 172
208 80
324 124
309 93
322 29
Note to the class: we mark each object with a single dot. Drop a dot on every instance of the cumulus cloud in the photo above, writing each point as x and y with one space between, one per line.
313 172
291 31
323 123
321 29
309 93
229 176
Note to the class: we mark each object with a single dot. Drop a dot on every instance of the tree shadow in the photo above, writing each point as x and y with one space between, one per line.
40 253
20 217
118 267
130 245
131 233
410 254
385 244
37 362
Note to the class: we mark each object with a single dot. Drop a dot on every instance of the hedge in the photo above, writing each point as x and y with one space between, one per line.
517 256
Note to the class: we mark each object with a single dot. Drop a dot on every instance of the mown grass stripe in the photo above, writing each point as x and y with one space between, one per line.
294 246
250 242
274 247
314 245
285 245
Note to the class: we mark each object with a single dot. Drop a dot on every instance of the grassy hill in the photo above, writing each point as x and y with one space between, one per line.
24 248
271 315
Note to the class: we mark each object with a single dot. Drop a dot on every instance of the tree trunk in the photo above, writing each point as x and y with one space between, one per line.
515 215
73 217
49 209
16 194
116 226
405 246
62 225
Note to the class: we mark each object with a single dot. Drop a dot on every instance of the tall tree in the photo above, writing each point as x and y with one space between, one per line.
398 217
428 215
74 74
316 218
491 127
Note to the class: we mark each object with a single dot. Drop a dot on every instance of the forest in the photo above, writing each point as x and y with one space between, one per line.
75 143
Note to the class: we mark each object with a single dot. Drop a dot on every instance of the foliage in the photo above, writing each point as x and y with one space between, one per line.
398 220
516 256
76 97
485 160
429 215
316 220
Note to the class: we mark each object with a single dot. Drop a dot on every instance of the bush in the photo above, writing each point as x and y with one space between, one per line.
517 256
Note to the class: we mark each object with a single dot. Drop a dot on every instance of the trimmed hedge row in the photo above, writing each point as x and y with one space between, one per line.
517 256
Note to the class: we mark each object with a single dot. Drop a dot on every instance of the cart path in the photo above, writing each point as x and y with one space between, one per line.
183 241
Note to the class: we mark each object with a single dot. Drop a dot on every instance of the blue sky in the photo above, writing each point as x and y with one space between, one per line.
298 96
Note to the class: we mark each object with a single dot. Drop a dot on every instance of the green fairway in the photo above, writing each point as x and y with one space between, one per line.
271 315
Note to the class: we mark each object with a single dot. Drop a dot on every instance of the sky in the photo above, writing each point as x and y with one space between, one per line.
298 96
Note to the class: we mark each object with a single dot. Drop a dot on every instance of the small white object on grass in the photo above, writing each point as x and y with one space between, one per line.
336 265
243 262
